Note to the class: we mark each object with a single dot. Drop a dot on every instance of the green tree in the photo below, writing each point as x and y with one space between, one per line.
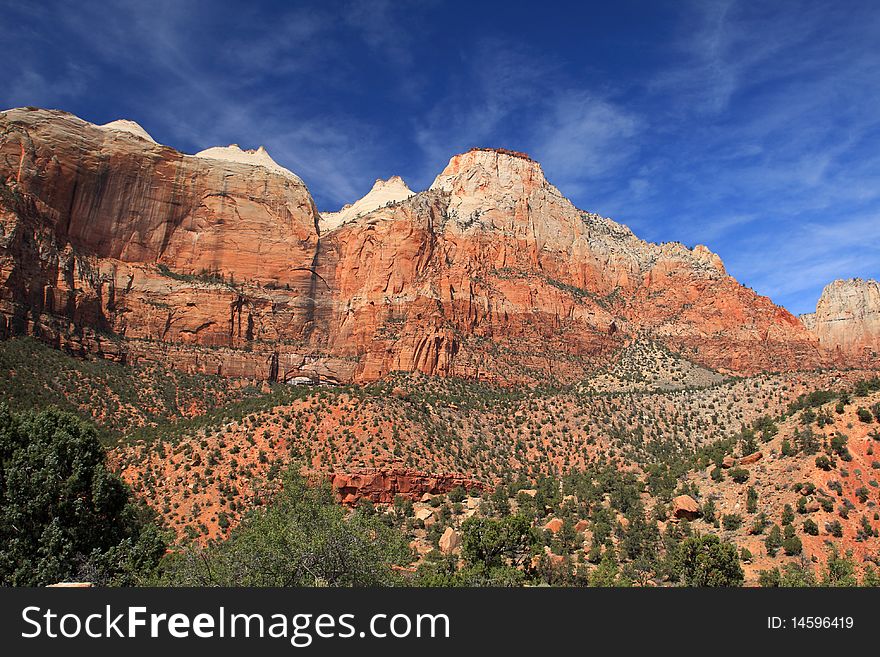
870 577
63 514
790 542
731 521
303 538
751 500
769 579
739 475
492 543
773 541
606 573
839 570
707 561
457 494
797 575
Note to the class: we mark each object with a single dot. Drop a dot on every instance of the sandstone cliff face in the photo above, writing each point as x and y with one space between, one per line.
493 254
847 320
383 485
108 235
115 245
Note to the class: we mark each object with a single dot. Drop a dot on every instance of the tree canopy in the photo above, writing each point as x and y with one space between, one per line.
303 538
63 514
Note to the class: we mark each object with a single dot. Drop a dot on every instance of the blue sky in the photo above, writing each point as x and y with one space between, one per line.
752 127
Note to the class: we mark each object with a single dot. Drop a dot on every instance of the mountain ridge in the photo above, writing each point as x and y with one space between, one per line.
219 266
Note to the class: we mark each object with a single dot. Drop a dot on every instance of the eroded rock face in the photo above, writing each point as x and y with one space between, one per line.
847 320
493 251
114 245
382 485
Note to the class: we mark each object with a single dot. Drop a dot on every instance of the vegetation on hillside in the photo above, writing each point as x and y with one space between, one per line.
63 515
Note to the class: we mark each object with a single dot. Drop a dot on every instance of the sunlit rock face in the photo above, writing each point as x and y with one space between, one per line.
847 320
219 262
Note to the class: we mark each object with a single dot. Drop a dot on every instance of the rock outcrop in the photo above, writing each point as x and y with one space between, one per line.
114 245
382 485
847 320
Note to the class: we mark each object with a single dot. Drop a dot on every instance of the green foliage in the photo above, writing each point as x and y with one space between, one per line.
761 523
302 539
769 579
607 573
751 500
792 575
834 528
707 561
63 515
708 510
457 494
773 541
731 521
839 570
739 475
493 543
812 400
791 544
870 577
139 401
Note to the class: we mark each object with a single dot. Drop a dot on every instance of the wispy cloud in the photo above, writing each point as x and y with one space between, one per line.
513 97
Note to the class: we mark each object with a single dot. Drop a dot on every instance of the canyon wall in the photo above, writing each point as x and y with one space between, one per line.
847 320
111 244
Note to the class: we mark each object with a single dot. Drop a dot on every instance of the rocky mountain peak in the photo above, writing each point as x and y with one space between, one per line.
124 125
382 193
255 157
490 168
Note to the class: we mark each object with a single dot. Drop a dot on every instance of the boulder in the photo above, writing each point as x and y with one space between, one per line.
553 525
754 457
424 514
685 507
450 542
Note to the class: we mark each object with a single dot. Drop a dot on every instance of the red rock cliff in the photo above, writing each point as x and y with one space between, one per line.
113 244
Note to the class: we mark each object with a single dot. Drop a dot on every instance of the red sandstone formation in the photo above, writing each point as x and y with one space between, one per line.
113 245
382 485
